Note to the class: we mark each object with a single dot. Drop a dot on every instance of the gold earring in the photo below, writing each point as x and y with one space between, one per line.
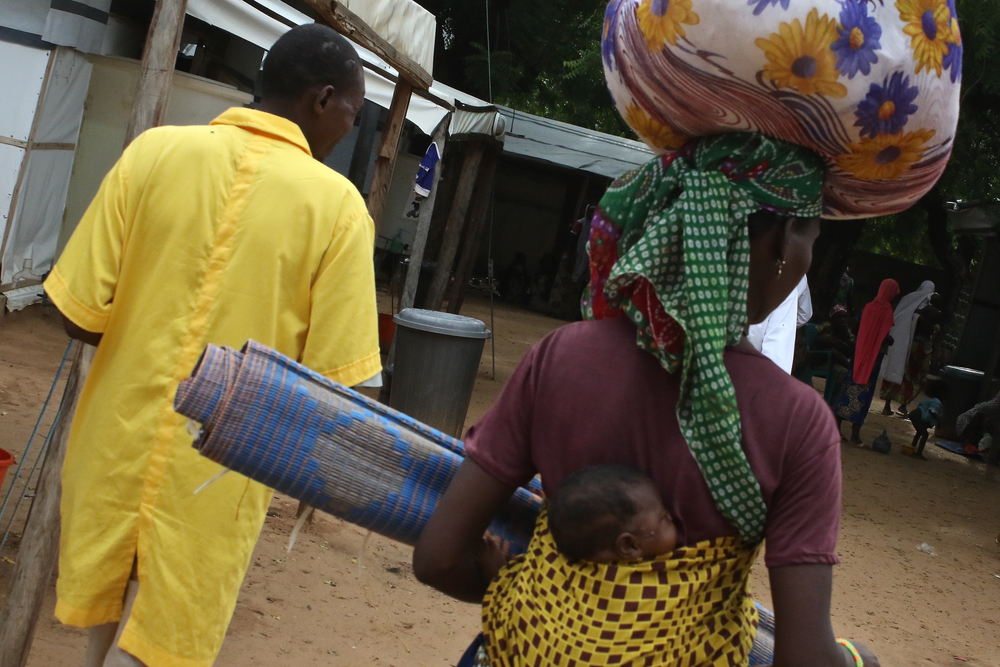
779 267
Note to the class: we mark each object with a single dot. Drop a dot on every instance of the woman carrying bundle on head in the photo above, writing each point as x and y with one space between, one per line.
755 127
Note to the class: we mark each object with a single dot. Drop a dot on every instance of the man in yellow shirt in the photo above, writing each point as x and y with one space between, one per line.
205 234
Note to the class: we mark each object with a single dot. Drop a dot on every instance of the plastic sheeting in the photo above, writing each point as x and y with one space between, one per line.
478 121
410 28
77 23
570 146
22 70
37 220
243 20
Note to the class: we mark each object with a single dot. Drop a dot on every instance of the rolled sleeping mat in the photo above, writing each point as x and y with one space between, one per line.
289 428
872 87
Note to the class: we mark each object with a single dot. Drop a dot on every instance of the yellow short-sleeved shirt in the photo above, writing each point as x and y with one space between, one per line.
206 234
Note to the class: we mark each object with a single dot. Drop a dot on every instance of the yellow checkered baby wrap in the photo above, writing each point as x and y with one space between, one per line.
687 609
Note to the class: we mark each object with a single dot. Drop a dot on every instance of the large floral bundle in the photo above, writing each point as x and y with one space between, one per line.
872 86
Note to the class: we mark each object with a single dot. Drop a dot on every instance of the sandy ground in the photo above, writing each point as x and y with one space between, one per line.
337 600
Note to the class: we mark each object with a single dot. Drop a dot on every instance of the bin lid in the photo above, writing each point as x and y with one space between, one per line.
961 372
442 323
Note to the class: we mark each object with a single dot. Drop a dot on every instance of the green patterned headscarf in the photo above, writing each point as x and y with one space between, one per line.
669 249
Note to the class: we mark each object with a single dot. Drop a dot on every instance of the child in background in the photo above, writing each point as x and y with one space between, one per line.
925 416
610 513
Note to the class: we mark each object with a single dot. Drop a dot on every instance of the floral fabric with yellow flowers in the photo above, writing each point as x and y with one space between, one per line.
872 86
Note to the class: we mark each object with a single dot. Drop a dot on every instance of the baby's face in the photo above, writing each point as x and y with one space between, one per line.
652 526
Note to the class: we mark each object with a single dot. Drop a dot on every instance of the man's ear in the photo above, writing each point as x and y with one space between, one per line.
323 98
627 547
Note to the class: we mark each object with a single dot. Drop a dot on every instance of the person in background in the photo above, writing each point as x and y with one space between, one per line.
855 395
897 358
926 415
514 280
775 336
844 289
919 364
202 234
980 421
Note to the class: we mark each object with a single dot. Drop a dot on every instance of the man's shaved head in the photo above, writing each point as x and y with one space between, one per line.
308 57
312 76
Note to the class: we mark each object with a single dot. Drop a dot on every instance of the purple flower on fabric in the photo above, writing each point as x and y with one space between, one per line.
764 4
952 60
886 108
609 33
859 39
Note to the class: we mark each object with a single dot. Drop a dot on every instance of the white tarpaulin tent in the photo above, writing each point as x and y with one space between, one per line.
41 118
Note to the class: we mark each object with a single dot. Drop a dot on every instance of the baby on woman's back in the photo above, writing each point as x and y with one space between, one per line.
609 513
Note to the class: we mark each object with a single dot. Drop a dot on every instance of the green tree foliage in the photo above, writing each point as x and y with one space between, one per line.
544 57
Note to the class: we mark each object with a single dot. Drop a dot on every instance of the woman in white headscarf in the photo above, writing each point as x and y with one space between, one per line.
906 315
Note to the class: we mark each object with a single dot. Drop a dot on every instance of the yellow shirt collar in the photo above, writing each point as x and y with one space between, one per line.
261 122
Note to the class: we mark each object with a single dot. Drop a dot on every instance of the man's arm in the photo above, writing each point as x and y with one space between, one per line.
803 635
449 554
77 333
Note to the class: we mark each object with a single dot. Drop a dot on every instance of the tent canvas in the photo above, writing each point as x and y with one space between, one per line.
33 228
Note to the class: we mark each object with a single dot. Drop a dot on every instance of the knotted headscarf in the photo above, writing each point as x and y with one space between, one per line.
669 249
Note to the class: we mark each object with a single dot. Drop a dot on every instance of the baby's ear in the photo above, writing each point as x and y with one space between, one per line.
627 547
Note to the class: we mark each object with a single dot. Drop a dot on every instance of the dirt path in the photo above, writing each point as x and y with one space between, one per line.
336 601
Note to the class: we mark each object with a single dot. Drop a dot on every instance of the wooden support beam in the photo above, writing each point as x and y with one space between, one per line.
385 162
357 173
353 28
157 70
456 223
409 295
473 229
36 557
40 543
406 300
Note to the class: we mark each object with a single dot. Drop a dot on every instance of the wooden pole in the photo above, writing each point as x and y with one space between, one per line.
456 222
40 543
36 557
474 230
357 173
386 160
157 70
409 295
348 24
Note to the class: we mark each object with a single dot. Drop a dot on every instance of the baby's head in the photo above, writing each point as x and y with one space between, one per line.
609 512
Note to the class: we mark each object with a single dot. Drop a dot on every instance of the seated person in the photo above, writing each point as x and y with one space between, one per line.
610 513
